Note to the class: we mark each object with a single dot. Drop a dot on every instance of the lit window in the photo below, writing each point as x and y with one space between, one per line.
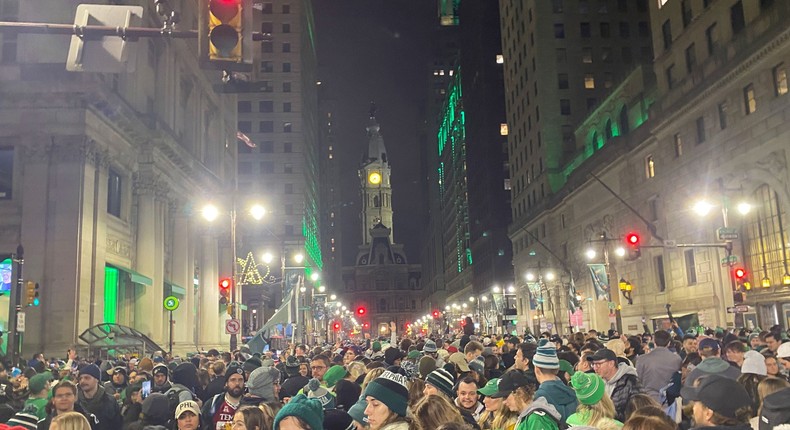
500 59
441 72
503 129
452 72
650 167
589 81
750 102
780 79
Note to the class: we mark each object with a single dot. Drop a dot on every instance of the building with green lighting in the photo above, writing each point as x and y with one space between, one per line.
102 176
705 122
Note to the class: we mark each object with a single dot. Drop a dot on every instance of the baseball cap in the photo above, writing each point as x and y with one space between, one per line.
709 343
509 382
602 354
719 394
187 405
490 388
784 350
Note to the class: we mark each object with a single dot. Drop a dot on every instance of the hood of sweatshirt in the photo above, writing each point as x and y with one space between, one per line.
540 403
713 365
622 370
559 393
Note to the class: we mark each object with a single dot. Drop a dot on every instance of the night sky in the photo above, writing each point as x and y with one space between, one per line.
377 50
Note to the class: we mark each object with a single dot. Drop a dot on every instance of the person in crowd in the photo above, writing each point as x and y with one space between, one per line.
719 402
64 399
650 418
319 366
772 341
772 365
551 388
518 392
753 371
711 363
432 411
639 402
734 351
70 421
509 356
263 385
301 413
621 379
118 383
497 416
160 382
767 387
218 411
96 401
156 414
595 407
656 368
39 395
387 400
248 418
783 356
187 415
294 380
467 397
216 385
184 382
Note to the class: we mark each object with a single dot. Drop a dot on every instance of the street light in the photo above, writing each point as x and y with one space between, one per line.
590 253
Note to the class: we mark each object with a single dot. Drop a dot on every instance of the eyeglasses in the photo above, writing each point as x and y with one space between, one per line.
317 367
598 363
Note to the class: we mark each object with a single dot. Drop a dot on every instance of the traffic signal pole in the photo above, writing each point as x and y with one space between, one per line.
15 306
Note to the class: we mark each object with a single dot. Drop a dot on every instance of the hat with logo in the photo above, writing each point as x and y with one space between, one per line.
509 382
357 411
589 387
430 346
709 343
391 389
160 369
722 395
187 405
314 390
234 369
490 388
546 355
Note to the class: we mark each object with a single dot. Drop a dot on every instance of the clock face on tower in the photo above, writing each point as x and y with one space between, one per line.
374 178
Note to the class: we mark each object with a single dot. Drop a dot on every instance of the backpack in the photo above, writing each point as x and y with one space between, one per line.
173 395
561 425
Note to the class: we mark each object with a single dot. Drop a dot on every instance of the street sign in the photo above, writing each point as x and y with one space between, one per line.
726 261
232 326
737 309
668 243
727 233
170 303
549 326
20 322
110 54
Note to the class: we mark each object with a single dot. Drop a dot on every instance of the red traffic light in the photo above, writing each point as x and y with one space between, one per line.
336 326
739 272
361 311
632 239
436 314
225 283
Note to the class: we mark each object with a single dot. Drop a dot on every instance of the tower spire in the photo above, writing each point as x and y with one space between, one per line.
376 149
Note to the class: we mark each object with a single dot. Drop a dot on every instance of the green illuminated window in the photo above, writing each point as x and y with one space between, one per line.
110 294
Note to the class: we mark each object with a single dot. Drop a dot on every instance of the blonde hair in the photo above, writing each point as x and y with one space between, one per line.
432 411
599 413
617 346
768 386
356 369
72 421
416 386
500 419
373 374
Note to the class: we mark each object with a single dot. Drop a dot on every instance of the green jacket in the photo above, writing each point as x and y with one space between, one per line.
539 415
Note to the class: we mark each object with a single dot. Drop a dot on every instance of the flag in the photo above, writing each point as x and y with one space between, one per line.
573 302
243 137
600 281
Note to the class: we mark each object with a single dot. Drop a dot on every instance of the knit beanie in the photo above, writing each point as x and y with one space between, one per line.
346 394
375 346
156 408
335 419
232 370
251 364
261 382
754 362
39 382
546 355
334 374
443 381
390 389
357 411
308 410
589 387
430 346
92 370
160 369
315 390
426 366
24 419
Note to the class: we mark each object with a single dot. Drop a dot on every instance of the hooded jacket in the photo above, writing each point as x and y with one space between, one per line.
539 415
709 366
621 387
775 410
103 407
561 396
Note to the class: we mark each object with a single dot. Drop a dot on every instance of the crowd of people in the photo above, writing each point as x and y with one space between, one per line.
654 381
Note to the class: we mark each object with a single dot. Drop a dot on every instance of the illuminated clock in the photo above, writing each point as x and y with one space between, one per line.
374 178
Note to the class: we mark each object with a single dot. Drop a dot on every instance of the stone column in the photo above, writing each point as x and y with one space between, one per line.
147 301
182 276
208 314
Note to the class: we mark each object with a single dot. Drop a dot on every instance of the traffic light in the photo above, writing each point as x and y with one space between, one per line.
224 290
741 281
633 251
225 26
36 297
30 293
436 314
361 311
336 326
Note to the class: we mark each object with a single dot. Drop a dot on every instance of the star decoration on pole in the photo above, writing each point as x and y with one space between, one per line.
250 275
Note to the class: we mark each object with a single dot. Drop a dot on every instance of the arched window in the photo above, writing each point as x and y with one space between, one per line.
608 129
765 244
595 144
376 202
625 127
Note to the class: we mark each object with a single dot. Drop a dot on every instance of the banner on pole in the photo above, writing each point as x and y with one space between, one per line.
600 281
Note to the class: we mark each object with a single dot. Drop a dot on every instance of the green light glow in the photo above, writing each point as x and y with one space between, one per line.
311 244
110 294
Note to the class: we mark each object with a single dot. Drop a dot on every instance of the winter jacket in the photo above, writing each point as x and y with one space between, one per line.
539 415
44 424
292 385
475 413
104 408
710 366
561 396
656 369
583 419
623 385
775 409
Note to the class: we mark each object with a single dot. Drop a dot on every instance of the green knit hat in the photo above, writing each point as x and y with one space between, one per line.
589 387
375 346
308 410
334 374
565 366
391 389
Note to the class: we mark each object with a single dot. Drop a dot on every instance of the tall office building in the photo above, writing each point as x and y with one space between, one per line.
281 117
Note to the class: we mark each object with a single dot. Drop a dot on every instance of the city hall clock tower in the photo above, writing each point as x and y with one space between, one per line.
375 185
